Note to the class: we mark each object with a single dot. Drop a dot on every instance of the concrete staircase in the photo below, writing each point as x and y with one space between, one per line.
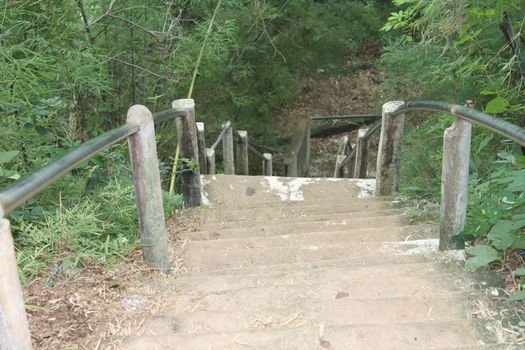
303 263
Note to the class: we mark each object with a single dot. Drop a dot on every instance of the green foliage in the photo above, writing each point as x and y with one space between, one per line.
495 217
443 50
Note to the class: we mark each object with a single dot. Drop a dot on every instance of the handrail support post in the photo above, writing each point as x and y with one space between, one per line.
390 150
242 153
210 159
201 138
267 164
227 147
454 182
148 192
189 151
361 155
14 328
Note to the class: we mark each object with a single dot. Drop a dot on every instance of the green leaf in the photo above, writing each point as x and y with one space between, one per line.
517 296
505 233
519 243
7 156
497 105
484 143
489 92
482 250
478 261
519 272
482 256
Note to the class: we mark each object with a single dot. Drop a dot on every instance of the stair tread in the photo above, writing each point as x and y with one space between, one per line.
414 335
262 221
353 228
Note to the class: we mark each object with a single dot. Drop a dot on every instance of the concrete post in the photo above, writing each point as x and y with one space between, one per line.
339 171
361 156
210 159
267 164
307 150
242 153
14 329
201 138
146 176
454 182
189 150
291 169
390 149
227 148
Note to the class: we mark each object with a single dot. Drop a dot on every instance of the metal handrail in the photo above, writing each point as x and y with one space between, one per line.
168 114
359 118
29 186
255 151
499 126
227 126
372 129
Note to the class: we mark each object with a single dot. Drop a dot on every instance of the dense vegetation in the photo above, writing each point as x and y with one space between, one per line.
454 51
71 69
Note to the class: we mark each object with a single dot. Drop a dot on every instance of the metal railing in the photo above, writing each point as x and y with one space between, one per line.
352 162
29 186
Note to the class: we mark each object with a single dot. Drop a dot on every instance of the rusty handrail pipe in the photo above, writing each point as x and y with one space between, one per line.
29 186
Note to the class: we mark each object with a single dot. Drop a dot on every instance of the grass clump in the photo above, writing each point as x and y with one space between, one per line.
95 228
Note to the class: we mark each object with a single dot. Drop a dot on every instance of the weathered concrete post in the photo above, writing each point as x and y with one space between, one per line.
148 193
227 152
267 164
210 159
291 169
14 329
242 153
361 155
189 150
454 182
390 149
201 138
306 160
339 171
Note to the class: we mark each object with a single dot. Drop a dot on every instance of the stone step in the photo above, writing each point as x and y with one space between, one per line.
428 335
305 247
410 232
349 216
318 202
288 307
297 212
258 189
404 278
